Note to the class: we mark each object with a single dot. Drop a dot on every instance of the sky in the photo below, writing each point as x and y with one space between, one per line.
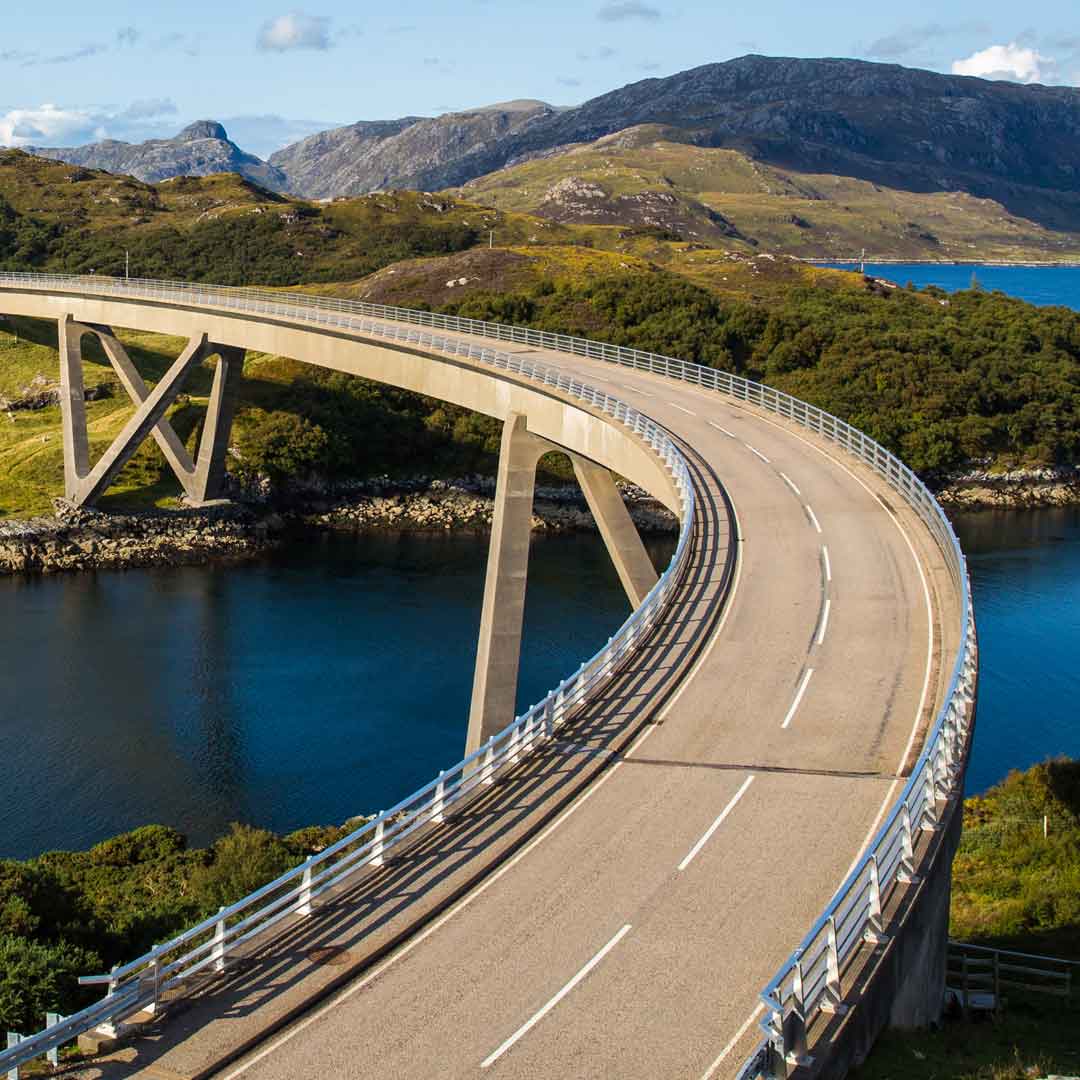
72 73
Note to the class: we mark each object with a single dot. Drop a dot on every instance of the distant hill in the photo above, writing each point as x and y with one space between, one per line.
910 130
413 152
642 177
201 149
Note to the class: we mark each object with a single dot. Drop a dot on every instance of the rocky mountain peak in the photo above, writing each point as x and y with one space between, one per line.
203 129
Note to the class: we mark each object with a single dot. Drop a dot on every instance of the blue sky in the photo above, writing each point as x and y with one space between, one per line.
75 72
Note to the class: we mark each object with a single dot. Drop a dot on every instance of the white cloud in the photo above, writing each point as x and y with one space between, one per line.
1012 62
64 125
294 31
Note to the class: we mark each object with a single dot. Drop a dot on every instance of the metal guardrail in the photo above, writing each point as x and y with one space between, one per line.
810 982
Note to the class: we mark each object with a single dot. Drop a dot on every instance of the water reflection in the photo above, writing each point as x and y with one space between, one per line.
326 681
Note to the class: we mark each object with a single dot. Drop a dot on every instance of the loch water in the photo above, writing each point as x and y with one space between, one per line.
332 677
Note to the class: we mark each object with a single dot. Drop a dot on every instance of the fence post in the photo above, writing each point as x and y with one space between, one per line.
906 874
549 714
997 980
379 846
51 1020
13 1040
964 993
218 952
794 1023
489 763
305 889
875 935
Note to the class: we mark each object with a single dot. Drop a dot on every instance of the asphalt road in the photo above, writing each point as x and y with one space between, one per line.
630 938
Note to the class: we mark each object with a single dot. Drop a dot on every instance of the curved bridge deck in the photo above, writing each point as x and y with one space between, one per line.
614 905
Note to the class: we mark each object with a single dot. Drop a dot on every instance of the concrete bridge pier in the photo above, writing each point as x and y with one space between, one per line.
502 616
202 478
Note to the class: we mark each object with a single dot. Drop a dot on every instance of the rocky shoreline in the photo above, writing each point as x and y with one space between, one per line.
91 540
1019 489
79 540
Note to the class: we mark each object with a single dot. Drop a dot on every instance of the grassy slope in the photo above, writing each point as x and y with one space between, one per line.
779 210
1011 889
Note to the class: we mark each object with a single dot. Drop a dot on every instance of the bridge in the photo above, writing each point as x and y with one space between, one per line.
720 847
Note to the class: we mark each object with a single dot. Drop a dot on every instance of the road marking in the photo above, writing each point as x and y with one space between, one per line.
828 565
824 621
636 390
787 480
813 518
758 452
716 824
538 1016
798 697
729 434
736 1038
681 409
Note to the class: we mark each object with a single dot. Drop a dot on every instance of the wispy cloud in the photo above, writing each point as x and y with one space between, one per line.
568 82
628 9
127 35
909 39
296 30
601 52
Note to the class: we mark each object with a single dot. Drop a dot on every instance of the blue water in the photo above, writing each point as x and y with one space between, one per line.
1025 572
328 680
1043 285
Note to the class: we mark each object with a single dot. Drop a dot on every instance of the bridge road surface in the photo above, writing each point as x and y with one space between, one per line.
632 937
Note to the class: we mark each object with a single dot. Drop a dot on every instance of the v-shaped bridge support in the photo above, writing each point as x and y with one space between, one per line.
201 477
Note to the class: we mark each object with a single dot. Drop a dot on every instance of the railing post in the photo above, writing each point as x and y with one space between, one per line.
218 952
834 996
794 1023
875 934
965 996
489 763
549 713
512 749
304 907
997 981
379 846
439 805
13 1040
906 874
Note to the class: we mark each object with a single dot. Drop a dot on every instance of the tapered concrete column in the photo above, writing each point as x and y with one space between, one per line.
632 562
210 470
72 405
502 616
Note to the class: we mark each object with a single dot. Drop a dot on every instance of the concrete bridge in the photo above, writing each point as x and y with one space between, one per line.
736 821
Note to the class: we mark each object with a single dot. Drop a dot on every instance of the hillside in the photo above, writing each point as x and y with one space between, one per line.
718 196
904 129
201 149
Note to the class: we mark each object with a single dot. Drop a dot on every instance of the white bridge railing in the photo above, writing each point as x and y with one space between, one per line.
811 981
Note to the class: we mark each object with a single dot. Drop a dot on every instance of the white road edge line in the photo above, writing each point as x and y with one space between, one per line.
735 1040
692 853
824 621
538 1016
813 517
681 409
758 452
790 483
798 697
729 434
828 565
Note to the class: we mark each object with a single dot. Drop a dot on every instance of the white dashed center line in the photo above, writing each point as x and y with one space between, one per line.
798 697
716 824
538 1016
790 483
828 565
813 518
729 434
758 452
681 409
